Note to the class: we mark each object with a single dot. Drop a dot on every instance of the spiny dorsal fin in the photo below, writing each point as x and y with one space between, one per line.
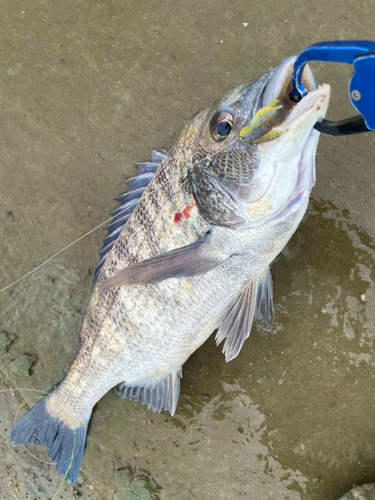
158 156
157 396
128 201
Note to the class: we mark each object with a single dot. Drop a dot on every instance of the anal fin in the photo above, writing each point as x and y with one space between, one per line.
157 396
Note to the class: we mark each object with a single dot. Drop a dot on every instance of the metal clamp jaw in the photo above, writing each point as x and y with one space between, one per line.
359 53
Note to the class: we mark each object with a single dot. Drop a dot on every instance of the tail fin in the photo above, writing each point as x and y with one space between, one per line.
65 445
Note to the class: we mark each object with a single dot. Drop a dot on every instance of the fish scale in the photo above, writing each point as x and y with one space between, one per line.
145 230
192 255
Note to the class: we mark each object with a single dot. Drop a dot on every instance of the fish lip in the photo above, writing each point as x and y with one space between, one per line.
279 85
275 84
260 100
297 126
301 121
310 109
281 75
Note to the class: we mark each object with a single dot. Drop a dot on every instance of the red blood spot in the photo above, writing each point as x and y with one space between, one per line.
185 212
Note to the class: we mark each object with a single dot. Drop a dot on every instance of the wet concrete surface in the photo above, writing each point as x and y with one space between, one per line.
85 87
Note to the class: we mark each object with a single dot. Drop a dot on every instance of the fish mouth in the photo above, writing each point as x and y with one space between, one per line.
287 141
280 83
297 120
311 108
276 114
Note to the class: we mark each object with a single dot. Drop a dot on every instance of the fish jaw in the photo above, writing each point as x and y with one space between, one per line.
281 76
312 108
287 165
295 149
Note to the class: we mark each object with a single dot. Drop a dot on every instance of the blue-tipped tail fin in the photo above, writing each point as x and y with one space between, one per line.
65 445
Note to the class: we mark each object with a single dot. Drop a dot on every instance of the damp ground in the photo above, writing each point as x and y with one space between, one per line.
85 87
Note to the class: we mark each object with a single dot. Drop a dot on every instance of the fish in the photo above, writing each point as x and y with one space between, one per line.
188 251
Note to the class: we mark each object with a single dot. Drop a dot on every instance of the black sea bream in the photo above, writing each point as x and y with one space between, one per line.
188 251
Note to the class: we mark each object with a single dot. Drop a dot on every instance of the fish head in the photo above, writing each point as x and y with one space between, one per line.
255 149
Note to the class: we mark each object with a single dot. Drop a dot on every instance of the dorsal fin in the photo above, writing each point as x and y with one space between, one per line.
158 156
145 166
140 180
128 201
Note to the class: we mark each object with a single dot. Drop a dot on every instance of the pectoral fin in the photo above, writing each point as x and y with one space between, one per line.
191 260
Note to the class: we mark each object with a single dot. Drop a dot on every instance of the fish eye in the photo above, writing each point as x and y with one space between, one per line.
221 125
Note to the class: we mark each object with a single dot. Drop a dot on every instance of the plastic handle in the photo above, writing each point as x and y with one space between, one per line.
337 51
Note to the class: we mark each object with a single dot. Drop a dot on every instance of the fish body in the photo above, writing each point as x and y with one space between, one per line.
189 255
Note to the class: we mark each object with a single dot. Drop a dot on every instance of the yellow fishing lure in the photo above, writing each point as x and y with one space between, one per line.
260 128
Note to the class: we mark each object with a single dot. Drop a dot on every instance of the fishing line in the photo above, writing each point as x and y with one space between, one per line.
210 155
12 390
39 459
24 447
57 253
29 452
15 418
70 466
